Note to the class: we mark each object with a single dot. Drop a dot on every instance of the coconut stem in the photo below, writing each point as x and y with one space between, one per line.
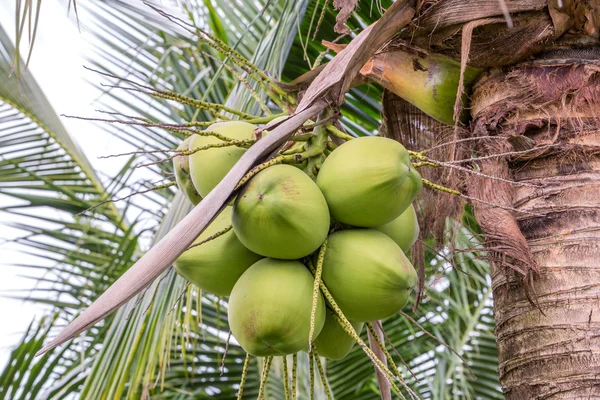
322 374
212 237
315 298
345 324
244 374
425 164
295 150
264 376
158 187
311 363
238 143
258 168
286 388
338 133
213 133
213 108
294 375
248 86
441 188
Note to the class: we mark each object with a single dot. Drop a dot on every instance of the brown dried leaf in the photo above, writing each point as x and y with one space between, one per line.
346 7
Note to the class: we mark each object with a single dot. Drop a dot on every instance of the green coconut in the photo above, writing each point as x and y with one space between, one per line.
367 274
281 213
270 306
368 181
333 342
181 166
208 167
216 265
404 230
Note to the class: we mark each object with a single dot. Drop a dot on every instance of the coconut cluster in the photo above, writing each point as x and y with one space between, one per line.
258 248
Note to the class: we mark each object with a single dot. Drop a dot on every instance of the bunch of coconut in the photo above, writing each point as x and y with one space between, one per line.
258 249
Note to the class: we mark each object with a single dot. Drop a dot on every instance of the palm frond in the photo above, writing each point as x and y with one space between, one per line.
160 346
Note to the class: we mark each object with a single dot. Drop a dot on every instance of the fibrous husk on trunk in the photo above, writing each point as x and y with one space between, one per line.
417 131
531 31
547 112
528 106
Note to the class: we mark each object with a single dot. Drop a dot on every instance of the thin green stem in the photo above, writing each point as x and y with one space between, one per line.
338 133
322 374
315 299
285 378
213 108
244 374
349 329
212 237
258 168
387 354
425 164
264 377
440 187
294 375
311 366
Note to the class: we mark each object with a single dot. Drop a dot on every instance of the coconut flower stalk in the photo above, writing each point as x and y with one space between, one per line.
427 81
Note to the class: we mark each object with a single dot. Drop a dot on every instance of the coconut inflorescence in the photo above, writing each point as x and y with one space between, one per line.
258 251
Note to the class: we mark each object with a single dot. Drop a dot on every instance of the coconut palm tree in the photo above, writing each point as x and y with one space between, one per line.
522 155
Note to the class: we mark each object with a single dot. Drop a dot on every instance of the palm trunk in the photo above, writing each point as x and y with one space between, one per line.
546 253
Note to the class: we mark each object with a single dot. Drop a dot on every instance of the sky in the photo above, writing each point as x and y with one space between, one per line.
57 64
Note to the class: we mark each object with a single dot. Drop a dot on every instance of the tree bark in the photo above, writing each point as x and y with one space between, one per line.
547 327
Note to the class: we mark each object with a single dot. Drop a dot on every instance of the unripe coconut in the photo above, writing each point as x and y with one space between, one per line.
367 274
270 306
281 213
208 167
368 181
333 342
181 166
404 230
216 265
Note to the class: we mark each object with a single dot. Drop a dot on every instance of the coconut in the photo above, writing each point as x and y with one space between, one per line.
281 213
333 342
208 167
270 306
181 166
367 274
216 265
404 230
368 181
